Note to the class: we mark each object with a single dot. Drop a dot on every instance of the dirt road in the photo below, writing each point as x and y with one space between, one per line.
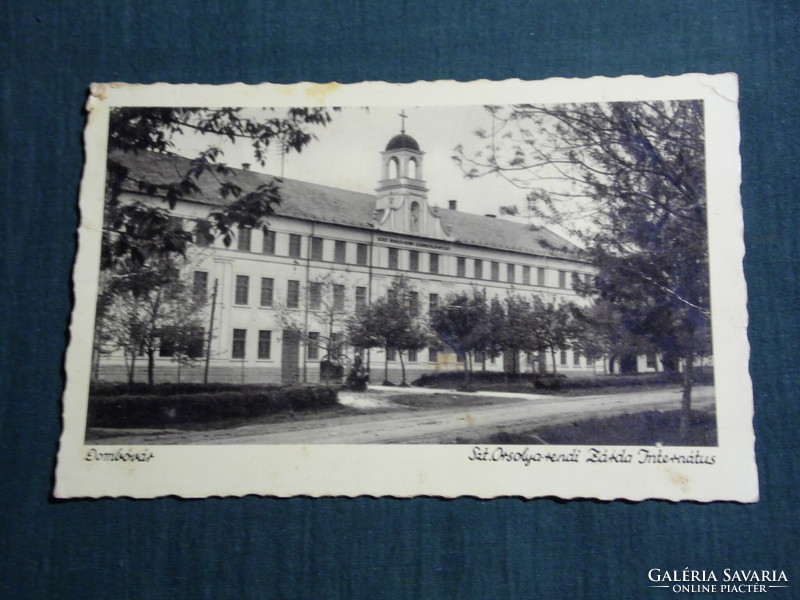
386 422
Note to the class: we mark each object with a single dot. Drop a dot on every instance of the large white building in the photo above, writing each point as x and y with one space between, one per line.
352 245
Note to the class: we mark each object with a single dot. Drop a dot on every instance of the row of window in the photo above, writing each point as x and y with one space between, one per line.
316 300
491 272
264 350
239 344
244 243
313 347
315 296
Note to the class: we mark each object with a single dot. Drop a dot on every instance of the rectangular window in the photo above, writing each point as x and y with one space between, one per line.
245 237
413 303
173 274
576 281
316 248
166 346
434 263
563 358
200 285
495 271
478 268
562 279
361 254
295 242
540 280
433 302
412 355
242 285
511 272
264 344
340 251
361 298
433 354
267 291
461 266
651 360
202 236
315 295
393 258
269 243
196 345
576 358
293 294
391 354
313 345
413 260
193 346
239 341
338 297
526 275
337 343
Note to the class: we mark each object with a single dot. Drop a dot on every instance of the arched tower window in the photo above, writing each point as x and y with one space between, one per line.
414 217
394 168
412 168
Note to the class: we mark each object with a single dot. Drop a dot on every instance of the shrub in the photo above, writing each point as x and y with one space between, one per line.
528 382
170 389
158 410
489 379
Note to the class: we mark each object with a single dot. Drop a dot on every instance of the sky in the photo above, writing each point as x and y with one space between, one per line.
347 154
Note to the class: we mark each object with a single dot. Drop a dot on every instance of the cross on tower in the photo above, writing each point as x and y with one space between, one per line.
403 118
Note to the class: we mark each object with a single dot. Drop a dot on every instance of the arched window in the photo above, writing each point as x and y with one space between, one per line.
414 217
412 168
394 167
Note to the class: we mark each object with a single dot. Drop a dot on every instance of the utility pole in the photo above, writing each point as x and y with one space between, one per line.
210 329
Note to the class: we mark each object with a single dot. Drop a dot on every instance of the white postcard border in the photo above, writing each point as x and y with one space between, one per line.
425 470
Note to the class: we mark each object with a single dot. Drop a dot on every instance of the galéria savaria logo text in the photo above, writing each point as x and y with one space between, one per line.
732 581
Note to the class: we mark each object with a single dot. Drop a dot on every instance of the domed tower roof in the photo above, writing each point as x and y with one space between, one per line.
402 141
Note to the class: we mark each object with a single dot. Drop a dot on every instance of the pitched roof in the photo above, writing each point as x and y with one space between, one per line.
321 203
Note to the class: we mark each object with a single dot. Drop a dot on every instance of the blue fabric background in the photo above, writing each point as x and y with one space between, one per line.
373 548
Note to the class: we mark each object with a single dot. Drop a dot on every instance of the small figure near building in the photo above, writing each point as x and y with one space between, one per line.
358 378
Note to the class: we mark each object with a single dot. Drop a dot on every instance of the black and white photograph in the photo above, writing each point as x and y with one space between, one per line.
520 281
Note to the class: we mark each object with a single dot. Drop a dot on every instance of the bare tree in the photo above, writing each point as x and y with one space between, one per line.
393 323
321 324
628 180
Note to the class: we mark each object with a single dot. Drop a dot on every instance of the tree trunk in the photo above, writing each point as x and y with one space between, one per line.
670 362
131 368
151 365
555 368
686 401
628 364
402 369
466 370
386 366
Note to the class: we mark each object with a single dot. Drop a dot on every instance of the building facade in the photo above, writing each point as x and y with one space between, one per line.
278 294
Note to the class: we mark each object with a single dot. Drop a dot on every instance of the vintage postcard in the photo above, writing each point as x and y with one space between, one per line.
432 289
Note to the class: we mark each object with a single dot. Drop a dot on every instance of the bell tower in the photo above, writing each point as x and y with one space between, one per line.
402 198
